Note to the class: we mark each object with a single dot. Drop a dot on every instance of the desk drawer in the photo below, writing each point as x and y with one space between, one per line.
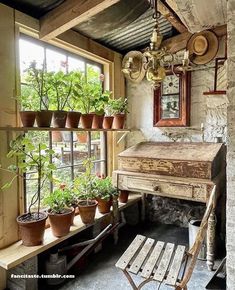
164 188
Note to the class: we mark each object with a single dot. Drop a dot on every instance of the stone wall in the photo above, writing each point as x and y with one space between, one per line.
230 210
210 110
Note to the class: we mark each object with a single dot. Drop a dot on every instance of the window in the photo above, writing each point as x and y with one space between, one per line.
71 147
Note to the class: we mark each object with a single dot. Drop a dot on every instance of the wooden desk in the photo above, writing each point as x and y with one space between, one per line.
185 171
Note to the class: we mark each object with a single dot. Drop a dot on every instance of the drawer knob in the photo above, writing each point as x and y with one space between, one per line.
156 188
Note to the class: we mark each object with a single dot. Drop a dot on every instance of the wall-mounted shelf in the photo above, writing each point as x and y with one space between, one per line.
25 129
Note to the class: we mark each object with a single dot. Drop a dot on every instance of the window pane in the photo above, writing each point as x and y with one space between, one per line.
63 175
75 64
55 61
61 146
30 51
80 147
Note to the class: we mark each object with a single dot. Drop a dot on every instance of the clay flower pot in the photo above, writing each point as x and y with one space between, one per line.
59 119
104 205
60 223
32 230
108 122
56 136
97 122
118 121
82 137
43 118
123 196
27 118
86 120
87 211
73 119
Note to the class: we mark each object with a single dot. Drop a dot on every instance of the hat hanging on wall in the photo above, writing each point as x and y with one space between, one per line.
202 47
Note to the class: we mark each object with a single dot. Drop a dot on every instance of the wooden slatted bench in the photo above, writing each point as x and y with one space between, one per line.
163 262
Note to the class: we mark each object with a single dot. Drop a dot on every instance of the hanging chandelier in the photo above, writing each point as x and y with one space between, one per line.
153 61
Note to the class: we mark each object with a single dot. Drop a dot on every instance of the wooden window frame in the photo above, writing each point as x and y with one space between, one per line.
184 94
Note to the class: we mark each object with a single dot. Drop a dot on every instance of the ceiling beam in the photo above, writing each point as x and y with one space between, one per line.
169 14
179 42
69 14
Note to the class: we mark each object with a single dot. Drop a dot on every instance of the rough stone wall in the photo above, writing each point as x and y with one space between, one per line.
210 110
230 210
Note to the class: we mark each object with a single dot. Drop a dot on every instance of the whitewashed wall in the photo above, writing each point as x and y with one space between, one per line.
209 110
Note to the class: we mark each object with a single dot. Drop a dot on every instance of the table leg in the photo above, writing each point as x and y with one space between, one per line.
211 240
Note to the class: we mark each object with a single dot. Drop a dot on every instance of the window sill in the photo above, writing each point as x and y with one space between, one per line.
18 253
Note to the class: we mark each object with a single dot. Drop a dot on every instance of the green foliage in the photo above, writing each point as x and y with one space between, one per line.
37 80
59 89
30 157
84 184
118 106
57 200
28 99
104 187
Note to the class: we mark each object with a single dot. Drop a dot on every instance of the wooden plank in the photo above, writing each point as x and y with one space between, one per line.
69 14
175 266
125 259
139 260
153 258
164 263
179 42
171 17
16 253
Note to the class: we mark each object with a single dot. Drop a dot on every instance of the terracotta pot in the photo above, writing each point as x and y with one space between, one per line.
60 223
73 214
27 118
97 122
56 136
32 231
82 137
108 121
59 119
43 118
123 196
86 120
104 205
73 119
87 212
118 121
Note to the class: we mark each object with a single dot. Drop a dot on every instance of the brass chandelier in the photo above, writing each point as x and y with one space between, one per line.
153 61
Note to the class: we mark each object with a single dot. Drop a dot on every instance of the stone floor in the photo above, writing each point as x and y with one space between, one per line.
101 274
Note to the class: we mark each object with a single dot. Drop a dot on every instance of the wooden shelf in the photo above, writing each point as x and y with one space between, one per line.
18 253
215 93
25 129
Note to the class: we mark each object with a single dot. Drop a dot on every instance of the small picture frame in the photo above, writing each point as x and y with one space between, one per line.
172 101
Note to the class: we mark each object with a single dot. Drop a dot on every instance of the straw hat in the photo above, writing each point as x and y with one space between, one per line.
202 47
138 64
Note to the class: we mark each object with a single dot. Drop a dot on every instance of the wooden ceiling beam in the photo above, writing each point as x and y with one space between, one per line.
179 42
69 14
167 12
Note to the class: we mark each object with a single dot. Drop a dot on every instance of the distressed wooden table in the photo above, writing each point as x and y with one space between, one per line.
186 171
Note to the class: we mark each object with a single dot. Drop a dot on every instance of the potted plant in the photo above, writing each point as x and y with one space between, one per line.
84 187
99 101
60 88
73 104
28 106
123 196
108 118
119 107
104 193
37 79
85 94
31 157
60 216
